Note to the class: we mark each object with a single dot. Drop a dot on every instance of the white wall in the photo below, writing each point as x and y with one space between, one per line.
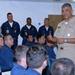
21 10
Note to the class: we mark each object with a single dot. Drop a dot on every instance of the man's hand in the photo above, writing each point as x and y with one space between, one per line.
60 40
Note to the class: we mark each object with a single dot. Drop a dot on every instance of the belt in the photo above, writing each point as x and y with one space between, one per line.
61 48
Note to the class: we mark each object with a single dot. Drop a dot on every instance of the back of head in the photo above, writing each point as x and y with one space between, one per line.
20 52
62 66
36 55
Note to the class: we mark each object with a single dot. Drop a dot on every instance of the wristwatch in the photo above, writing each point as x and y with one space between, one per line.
65 40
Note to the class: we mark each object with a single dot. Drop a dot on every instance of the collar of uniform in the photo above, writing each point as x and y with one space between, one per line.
34 72
18 66
11 23
28 26
44 27
71 20
8 47
66 23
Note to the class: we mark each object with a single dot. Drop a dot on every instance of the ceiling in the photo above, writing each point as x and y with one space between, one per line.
64 1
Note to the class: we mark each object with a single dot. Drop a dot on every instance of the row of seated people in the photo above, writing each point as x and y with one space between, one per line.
33 60
7 54
13 28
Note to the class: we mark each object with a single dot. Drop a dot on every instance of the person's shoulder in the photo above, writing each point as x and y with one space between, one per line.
4 47
32 71
33 26
42 27
61 23
73 19
50 27
17 69
29 72
15 22
5 23
48 47
24 27
17 72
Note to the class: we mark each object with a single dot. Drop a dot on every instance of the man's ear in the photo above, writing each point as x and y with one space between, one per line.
23 60
45 63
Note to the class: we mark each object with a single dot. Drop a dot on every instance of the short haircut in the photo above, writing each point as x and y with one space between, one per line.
5 37
62 66
9 13
36 56
20 52
39 36
28 35
66 4
28 18
46 19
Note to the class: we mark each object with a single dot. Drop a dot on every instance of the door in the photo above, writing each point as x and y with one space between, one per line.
54 20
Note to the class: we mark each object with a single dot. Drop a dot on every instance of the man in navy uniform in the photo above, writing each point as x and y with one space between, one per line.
11 27
40 39
46 28
19 67
51 54
36 59
29 41
6 54
49 48
28 29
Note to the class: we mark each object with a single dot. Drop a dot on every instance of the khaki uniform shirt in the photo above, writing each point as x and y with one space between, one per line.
66 31
0 30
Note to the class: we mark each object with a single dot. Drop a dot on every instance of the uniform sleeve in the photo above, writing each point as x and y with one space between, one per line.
39 31
2 29
35 32
56 31
22 33
7 58
52 32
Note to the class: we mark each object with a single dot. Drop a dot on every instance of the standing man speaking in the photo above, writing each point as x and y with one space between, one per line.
65 34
